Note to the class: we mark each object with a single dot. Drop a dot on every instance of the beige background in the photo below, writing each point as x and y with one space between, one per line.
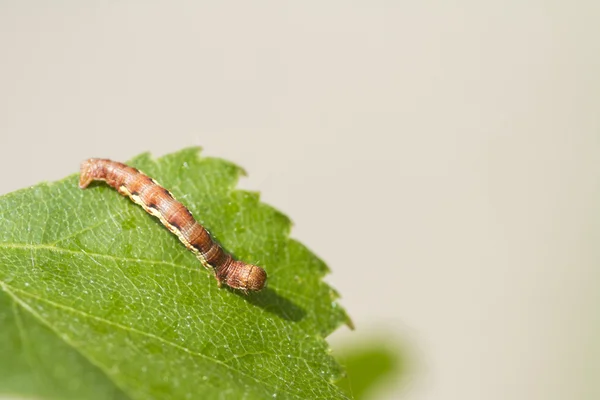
443 159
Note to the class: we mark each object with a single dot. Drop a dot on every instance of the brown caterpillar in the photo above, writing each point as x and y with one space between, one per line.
159 202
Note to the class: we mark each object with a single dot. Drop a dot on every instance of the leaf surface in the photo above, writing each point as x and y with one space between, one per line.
99 301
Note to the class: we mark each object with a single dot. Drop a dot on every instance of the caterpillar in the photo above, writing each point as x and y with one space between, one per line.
159 202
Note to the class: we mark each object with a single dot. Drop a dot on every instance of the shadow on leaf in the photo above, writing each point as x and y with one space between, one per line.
270 301
371 365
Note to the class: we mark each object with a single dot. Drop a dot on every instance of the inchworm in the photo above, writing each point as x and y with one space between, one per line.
160 203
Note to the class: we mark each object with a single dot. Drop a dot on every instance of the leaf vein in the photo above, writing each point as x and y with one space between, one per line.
11 291
51 248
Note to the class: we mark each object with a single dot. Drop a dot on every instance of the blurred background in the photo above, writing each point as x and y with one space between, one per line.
443 159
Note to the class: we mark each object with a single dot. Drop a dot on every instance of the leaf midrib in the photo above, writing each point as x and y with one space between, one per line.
11 292
62 250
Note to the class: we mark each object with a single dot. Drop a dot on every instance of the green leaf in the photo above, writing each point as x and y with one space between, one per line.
99 301
370 364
